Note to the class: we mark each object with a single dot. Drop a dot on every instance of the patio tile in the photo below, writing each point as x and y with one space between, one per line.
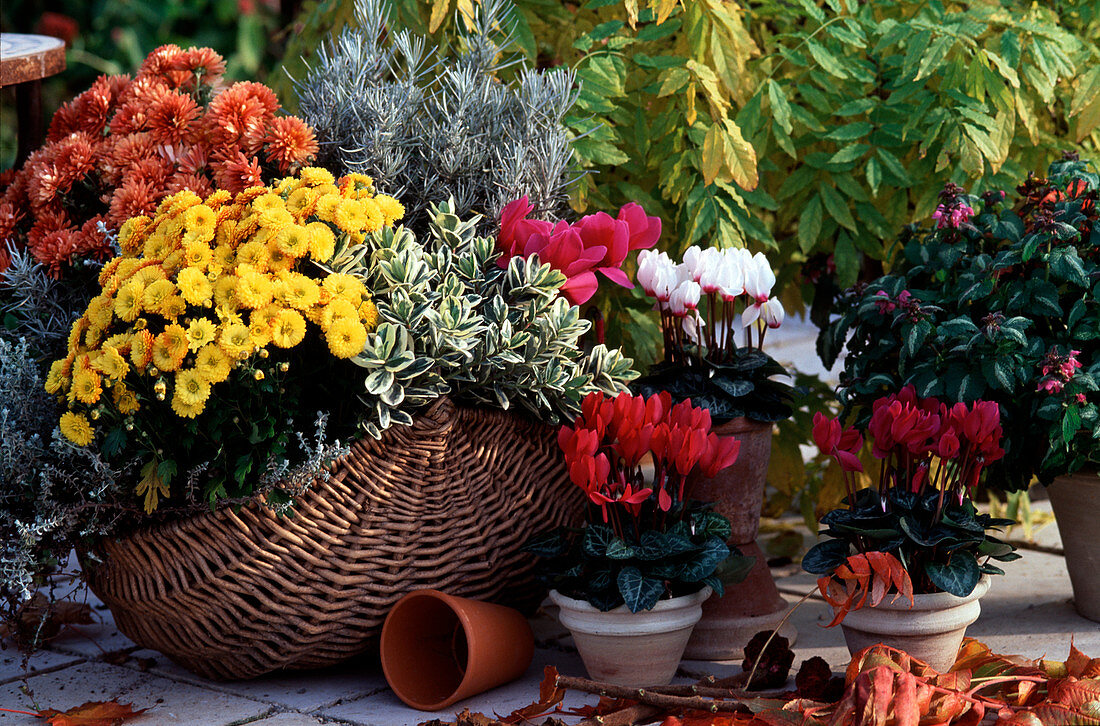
297 690
385 709
286 719
11 663
169 702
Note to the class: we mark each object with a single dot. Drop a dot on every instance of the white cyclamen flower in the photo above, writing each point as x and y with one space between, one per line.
759 278
692 266
684 298
772 312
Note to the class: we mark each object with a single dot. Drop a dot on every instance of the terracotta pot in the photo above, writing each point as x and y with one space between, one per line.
1076 502
748 607
738 490
632 649
931 631
438 649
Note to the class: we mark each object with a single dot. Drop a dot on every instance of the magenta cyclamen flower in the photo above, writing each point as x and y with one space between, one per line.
594 243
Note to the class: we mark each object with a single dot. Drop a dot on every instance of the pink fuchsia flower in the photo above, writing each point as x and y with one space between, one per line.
1070 365
1080 398
953 216
1050 385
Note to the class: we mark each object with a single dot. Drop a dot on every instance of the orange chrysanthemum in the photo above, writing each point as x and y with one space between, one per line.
237 173
134 198
171 120
290 143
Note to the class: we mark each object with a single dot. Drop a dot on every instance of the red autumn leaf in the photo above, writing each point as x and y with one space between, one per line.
550 698
867 574
92 713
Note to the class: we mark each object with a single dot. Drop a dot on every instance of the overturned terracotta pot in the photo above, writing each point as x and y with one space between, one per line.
438 649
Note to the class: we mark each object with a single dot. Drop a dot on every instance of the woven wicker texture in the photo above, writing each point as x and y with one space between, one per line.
446 503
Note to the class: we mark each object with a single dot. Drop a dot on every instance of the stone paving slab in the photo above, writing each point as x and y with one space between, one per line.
168 701
14 667
287 719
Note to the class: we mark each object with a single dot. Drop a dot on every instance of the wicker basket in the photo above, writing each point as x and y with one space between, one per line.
446 503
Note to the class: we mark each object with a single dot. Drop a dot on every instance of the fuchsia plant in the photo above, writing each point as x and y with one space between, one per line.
594 243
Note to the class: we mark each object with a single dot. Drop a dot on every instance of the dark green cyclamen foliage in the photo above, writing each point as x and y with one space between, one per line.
949 553
743 386
594 564
991 308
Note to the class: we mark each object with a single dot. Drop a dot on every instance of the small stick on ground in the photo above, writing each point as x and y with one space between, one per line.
646 696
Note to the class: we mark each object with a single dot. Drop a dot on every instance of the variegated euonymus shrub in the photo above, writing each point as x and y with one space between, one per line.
453 322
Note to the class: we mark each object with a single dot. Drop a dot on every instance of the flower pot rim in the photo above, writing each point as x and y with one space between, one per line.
672 603
923 602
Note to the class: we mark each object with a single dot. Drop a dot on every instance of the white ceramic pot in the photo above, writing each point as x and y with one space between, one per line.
1076 502
931 631
632 649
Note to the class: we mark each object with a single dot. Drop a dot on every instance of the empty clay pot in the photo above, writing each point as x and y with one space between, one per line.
931 631
1076 501
632 649
438 649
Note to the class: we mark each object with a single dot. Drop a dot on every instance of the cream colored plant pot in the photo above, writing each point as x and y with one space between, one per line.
632 649
1076 502
931 631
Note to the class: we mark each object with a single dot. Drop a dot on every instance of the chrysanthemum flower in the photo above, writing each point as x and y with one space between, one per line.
237 172
134 198
76 428
350 215
200 332
253 287
56 379
392 210
141 349
191 387
189 182
345 338
54 250
368 314
203 62
288 329
170 347
212 363
322 241
315 176
235 340
299 292
156 293
337 310
346 286
294 240
111 364
126 401
86 386
290 143
194 286
225 292
183 409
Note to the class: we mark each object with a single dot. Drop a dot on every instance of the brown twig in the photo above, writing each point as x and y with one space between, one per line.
638 713
649 697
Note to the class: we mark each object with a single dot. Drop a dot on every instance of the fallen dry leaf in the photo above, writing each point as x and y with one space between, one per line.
92 713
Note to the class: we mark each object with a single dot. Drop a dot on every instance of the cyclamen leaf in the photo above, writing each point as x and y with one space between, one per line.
639 592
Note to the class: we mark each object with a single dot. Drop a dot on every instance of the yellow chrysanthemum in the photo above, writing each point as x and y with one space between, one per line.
198 224
183 409
392 210
200 332
127 301
266 202
327 205
300 201
350 215
225 234
197 254
253 288
225 292
275 218
217 199
141 349
77 331
299 292
181 201
368 314
191 387
157 246
126 401
278 260
131 235
235 340
346 286
149 273
119 341
56 379
338 309
156 293
322 241
172 307
170 347
213 364
86 386
373 216
253 253
111 364
194 286
259 331
345 338
293 240
357 182
288 329
76 428
316 176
